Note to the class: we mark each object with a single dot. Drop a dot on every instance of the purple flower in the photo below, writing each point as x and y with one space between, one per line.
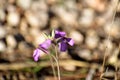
59 34
36 54
63 41
42 48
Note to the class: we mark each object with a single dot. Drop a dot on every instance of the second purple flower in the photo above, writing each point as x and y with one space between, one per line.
63 41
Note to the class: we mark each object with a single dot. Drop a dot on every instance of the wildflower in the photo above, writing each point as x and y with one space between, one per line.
63 41
42 48
59 34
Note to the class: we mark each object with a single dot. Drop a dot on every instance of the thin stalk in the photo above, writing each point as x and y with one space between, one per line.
58 67
57 61
53 67
108 39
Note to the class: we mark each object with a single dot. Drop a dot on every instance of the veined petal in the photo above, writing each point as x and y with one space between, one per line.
36 54
45 45
59 34
44 50
62 46
70 41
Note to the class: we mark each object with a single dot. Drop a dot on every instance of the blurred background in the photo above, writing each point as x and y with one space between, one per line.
88 22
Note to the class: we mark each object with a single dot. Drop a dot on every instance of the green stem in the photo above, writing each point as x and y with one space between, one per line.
52 65
57 61
57 66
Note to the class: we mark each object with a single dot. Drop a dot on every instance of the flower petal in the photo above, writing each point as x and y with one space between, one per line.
36 54
45 45
70 41
59 34
62 46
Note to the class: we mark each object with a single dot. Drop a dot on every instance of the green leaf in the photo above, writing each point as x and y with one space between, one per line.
49 37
